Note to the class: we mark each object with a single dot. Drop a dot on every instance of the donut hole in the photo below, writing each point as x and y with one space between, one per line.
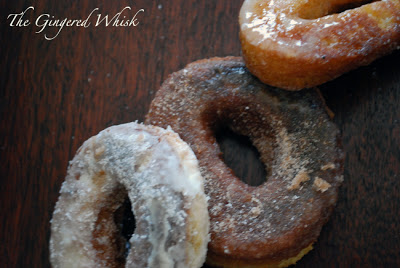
241 156
346 6
126 224
325 8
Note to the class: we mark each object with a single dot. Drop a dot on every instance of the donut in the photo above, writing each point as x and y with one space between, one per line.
296 44
275 223
159 174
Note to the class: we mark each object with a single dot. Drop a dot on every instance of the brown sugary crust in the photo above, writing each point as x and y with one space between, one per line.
295 137
294 44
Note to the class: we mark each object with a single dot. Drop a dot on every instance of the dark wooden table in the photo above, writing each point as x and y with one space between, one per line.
55 94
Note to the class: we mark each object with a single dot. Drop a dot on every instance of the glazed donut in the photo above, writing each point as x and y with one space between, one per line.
276 223
295 44
159 173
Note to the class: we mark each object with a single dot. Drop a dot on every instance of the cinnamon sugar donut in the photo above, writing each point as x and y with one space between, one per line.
159 173
276 223
295 44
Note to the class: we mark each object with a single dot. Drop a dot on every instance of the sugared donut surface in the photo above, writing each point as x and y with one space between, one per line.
276 223
159 173
295 44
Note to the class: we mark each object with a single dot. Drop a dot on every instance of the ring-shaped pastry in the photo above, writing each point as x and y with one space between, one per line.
296 44
159 173
276 223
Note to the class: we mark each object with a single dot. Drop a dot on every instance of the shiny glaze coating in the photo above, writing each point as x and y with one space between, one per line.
295 44
261 226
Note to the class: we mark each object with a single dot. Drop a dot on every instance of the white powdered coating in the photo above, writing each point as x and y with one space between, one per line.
161 176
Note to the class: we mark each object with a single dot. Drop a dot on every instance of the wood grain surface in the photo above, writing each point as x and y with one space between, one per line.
56 94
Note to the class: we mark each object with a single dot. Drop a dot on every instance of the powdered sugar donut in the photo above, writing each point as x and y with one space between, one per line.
159 173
